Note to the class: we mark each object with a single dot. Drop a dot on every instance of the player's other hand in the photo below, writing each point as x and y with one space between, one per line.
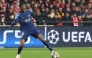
37 23
13 23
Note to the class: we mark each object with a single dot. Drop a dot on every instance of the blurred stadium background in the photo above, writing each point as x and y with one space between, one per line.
65 24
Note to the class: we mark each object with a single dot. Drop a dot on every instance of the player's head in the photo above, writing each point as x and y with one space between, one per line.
22 6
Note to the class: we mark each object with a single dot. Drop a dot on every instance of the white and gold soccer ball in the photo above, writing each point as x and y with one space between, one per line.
55 55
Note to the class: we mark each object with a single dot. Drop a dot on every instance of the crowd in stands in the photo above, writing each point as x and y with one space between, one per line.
50 12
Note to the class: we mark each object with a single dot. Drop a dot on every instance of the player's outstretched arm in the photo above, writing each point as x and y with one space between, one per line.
16 19
34 16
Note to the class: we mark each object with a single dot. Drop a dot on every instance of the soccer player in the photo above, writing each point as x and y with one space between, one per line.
27 27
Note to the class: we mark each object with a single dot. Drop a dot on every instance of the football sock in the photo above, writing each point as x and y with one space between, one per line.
19 49
47 45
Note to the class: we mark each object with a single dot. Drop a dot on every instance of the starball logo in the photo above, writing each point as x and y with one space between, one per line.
53 36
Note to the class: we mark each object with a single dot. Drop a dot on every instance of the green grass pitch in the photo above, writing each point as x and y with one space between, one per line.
45 53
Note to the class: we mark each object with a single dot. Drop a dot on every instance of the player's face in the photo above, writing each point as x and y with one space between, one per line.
23 7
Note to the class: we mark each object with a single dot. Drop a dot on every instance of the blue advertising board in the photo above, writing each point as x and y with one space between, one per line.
70 36
56 36
10 37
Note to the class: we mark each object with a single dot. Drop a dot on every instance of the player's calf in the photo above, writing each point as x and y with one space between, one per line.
22 41
45 42
54 54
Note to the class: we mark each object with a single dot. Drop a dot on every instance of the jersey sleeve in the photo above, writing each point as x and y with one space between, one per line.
17 17
30 11
34 16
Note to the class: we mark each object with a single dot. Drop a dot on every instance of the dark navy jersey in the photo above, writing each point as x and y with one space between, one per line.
25 20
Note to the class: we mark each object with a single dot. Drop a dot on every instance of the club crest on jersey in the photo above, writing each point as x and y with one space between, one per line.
26 20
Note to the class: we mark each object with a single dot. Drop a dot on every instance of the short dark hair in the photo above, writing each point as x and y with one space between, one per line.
22 3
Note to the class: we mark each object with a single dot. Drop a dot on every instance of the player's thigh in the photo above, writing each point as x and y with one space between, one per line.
25 35
35 33
22 41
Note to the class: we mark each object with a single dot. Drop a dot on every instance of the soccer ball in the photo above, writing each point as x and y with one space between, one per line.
55 55
53 36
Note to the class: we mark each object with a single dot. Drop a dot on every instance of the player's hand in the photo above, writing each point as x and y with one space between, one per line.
37 23
13 23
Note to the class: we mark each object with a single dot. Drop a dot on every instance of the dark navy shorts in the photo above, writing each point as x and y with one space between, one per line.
34 32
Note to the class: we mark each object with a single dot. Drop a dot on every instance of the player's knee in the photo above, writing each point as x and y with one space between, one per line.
41 37
22 42
21 45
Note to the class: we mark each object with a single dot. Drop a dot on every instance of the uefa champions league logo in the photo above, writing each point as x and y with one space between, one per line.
53 36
